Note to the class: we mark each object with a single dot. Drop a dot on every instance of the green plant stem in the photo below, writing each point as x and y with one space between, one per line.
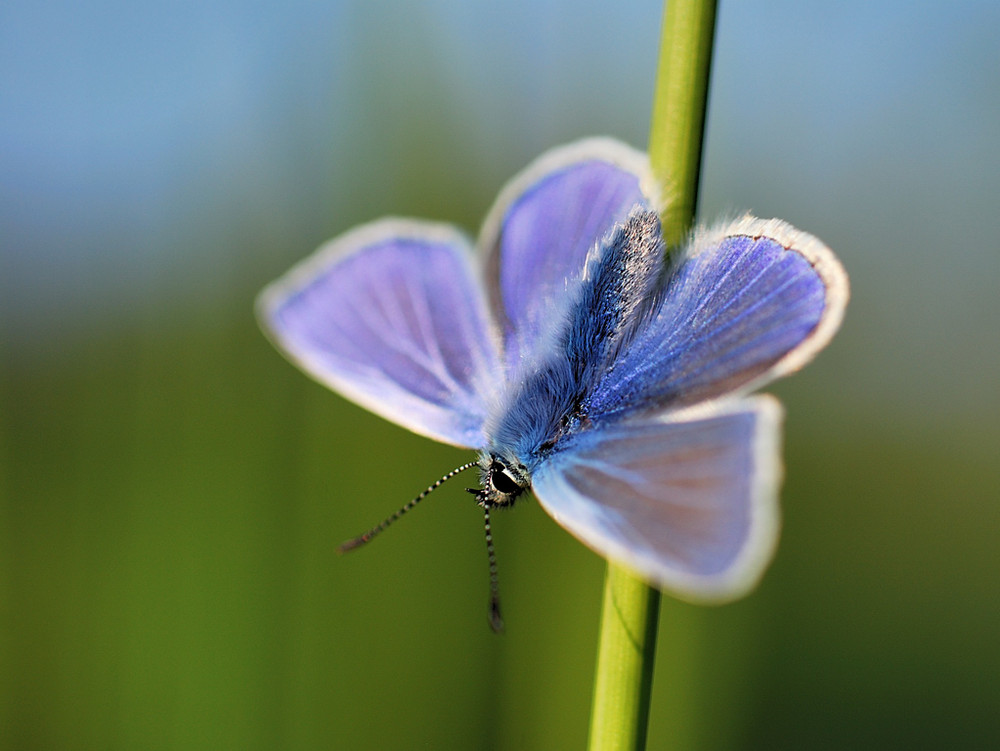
677 128
624 662
630 610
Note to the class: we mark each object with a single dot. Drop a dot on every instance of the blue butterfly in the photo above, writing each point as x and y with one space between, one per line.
581 359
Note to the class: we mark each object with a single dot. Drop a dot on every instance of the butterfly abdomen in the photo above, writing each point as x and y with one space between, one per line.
619 288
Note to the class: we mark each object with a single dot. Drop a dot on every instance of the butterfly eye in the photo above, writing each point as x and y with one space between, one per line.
503 482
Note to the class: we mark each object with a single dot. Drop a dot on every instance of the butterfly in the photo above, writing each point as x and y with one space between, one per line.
582 359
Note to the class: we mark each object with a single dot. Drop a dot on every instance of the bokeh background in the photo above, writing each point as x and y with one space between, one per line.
173 490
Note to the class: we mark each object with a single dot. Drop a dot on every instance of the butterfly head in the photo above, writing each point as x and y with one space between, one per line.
502 479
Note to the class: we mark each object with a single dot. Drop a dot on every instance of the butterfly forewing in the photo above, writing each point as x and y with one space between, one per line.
738 310
393 317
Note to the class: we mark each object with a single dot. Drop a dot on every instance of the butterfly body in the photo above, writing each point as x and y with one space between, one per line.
548 403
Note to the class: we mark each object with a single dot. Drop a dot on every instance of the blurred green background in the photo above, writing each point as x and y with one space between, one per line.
173 490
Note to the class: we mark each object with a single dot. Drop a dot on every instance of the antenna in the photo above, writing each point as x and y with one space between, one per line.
496 620
360 540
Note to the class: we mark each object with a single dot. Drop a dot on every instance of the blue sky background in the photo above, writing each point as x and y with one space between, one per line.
133 135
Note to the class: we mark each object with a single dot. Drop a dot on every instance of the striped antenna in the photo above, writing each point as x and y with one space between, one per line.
496 621
360 540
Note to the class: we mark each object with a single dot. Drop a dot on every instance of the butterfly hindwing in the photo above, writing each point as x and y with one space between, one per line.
392 316
687 499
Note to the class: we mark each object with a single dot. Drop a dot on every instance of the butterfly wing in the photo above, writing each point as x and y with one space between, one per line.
686 499
392 316
747 303
537 235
